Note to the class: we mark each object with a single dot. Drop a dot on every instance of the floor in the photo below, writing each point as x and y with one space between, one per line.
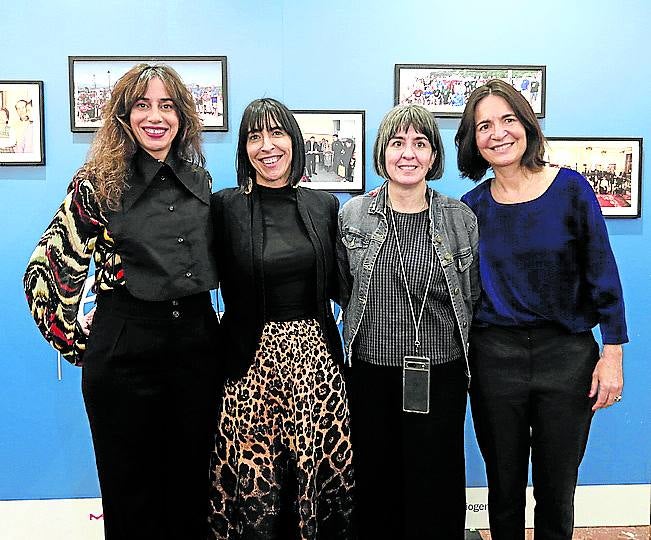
598 533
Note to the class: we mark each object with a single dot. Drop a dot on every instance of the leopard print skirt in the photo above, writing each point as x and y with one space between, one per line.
282 463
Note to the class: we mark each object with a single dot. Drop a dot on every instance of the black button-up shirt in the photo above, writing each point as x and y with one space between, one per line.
163 231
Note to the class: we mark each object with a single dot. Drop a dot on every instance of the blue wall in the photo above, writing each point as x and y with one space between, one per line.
311 55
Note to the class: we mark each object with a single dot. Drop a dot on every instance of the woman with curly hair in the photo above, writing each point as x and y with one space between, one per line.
140 207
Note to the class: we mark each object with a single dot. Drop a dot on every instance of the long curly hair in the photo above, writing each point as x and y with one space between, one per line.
109 160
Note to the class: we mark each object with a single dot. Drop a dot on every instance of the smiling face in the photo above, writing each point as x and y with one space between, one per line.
408 157
154 120
270 153
500 136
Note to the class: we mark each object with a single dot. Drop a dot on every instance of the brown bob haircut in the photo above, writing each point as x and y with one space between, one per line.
470 162
267 113
401 118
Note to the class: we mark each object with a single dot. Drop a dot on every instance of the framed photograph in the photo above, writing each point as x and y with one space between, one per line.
334 149
22 126
444 88
91 79
613 166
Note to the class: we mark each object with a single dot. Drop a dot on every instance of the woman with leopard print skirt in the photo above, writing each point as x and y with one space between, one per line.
282 463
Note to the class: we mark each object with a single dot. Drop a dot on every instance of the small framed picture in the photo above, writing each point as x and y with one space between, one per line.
444 89
22 125
334 149
612 166
91 79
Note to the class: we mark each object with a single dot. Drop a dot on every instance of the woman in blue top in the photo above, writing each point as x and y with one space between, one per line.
548 276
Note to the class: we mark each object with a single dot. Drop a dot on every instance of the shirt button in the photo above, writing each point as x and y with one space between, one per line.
456 290
180 239
175 302
163 177
188 274
176 314
171 208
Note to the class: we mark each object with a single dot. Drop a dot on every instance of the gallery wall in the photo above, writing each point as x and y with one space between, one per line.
312 55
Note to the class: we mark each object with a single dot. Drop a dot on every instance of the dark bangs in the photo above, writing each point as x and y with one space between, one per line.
267 113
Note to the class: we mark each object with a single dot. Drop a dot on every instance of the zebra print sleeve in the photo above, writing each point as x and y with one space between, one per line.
55 275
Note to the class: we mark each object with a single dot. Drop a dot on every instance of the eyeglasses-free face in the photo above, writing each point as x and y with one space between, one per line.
154 120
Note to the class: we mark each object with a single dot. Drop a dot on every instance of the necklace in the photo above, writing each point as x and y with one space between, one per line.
415 322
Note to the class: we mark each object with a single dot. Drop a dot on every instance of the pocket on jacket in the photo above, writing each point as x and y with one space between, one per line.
355 239
463 259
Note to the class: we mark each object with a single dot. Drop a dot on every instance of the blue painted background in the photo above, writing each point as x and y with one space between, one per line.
312 55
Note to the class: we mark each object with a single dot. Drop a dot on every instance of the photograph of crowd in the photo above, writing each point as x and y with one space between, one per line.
21 123
92 78
444 89
611 166
334 149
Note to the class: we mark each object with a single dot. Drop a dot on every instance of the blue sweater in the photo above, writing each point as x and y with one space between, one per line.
548 260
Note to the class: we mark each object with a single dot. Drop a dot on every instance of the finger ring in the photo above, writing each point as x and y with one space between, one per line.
617 399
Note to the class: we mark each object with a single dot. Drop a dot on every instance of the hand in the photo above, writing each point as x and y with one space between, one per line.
607 377
87 322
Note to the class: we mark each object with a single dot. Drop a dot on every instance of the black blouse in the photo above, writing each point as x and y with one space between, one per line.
163 230
161 233
289 261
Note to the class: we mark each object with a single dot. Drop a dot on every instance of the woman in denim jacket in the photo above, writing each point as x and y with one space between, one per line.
408 256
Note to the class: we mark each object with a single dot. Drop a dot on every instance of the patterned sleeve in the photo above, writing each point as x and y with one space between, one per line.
56 272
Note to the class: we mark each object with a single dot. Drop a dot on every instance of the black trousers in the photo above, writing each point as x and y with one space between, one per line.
529 393
150 384
310 164
409 468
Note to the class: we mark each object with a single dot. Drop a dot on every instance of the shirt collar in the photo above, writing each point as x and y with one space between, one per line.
379 200
146 168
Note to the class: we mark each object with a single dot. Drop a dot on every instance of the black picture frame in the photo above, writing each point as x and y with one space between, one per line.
612 166
337 170
91 78
22 132
444 88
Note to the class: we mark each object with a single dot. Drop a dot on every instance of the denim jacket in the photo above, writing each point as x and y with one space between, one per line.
363 227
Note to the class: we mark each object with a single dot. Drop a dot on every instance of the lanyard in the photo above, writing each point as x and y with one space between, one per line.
415 322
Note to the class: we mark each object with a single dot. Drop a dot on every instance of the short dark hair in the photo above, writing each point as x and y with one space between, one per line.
401 118
266 113
470 162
